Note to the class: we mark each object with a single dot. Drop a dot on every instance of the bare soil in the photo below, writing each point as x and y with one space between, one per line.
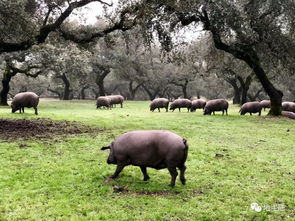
41 128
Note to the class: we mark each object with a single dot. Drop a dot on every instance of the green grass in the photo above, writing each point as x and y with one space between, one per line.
65 179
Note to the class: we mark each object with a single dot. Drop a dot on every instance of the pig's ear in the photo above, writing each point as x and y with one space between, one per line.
105 148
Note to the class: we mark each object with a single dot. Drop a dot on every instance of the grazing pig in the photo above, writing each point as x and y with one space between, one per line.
251 107
289 114
159 103
216 105
265 104
157 149
25 99
181 103
116 99
197 104
288 106
103 101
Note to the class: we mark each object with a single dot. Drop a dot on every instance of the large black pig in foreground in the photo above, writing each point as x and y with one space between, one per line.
157 149
25 99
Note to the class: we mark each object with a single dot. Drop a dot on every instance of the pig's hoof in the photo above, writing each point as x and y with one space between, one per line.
113 177
146 178
171 185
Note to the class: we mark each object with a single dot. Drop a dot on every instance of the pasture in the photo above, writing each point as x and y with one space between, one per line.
233 161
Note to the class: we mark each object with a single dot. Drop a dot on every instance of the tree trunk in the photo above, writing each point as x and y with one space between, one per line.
237 96
100 76
67 90
101 88
184 89
255 96
7 75
5 90
132 90
245 85
151 94
274 94
237 89
83 92
96 93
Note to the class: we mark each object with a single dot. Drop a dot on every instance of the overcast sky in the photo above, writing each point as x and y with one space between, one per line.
90 11
94 9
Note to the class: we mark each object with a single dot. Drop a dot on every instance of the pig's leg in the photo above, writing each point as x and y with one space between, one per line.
120 167
182 170
145 175
173 173
36 111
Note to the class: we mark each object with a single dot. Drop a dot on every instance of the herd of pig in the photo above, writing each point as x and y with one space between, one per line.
157 149
220 105
30 99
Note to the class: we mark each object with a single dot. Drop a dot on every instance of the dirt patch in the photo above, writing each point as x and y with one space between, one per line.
125 191
122 190
41 128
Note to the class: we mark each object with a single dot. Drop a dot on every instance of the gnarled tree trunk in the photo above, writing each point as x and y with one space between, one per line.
245 85
7 75
237 89
152 94
133 90
67 90
82 93
101 72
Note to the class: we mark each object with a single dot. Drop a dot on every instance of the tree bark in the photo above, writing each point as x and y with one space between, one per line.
67 90
5 88
83 92
237 96
101 73
237 89
95 92
132 90
255 96
245 85
151 94
7 75
101 89
274 94
183 87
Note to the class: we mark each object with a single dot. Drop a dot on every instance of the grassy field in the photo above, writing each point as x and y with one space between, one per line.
65 178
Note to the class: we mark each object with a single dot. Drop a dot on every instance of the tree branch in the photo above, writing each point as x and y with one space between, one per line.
120 25
45 30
